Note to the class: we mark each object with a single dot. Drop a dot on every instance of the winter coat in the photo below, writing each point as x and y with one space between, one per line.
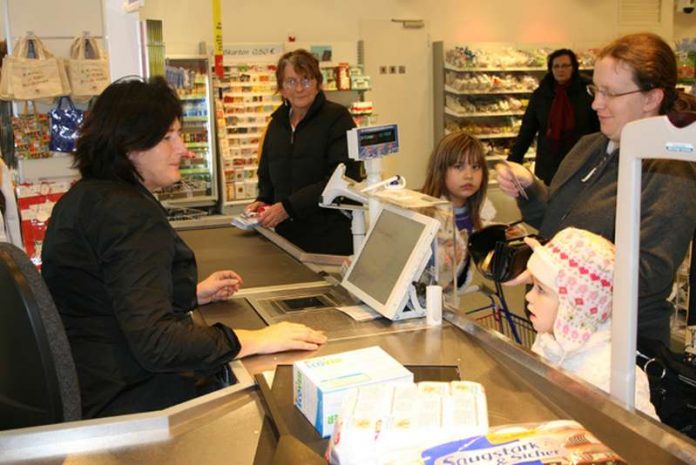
124 284
294 168
536 119
592 363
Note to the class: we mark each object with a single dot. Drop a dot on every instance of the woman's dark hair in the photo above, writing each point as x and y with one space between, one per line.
304 63
129 115
654 67
559 53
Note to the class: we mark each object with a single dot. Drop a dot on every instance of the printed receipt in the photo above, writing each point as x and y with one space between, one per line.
359 312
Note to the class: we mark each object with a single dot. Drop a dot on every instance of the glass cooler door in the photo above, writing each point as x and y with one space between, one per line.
190 76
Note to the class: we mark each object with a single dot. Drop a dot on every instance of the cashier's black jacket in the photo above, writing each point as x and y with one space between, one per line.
295 167
124 283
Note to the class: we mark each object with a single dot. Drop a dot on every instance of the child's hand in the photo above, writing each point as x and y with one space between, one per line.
532 242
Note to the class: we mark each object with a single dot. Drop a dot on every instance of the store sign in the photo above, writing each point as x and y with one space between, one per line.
249 53
217 38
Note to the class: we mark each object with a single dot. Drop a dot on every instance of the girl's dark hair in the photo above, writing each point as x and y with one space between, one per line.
452 149
304 63
129 115
654 67
559 53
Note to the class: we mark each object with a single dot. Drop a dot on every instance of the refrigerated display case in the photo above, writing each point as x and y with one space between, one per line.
190 76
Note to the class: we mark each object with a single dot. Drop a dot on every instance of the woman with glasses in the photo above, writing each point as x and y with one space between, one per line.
304 142
122 279
558 114
635 77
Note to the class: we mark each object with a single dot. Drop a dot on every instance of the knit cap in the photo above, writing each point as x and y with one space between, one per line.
579 266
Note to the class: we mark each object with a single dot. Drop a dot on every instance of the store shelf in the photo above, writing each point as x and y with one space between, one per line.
487 91
451 112
196 119
198 185
500 69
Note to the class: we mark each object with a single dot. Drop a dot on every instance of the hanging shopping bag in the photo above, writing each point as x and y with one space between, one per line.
88 67
65 121
31 134
32 72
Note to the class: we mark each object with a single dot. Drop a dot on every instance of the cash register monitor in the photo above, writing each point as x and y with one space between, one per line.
393 255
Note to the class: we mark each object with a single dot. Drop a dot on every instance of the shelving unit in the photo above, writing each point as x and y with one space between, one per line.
245 99
485 90
197 187
487 101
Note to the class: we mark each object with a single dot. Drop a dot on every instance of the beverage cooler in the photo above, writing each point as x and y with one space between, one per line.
191 78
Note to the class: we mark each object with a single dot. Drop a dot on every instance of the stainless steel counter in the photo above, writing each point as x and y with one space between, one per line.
226 426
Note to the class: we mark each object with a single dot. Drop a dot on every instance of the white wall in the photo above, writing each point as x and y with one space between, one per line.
684 25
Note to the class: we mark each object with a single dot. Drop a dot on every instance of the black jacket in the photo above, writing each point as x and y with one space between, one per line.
124 284
294 169
536 119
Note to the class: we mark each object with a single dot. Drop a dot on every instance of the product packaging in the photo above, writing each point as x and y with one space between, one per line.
320 384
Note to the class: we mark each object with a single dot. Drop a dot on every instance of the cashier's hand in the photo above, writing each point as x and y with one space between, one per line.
279 337
220 285
272 216
506 172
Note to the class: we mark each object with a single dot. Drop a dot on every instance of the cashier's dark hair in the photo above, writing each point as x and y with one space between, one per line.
130 114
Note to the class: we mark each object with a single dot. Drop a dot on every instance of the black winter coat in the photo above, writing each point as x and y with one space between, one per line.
536 119
124 283
295 167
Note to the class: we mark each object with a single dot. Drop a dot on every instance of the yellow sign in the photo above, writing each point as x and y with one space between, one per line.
217 37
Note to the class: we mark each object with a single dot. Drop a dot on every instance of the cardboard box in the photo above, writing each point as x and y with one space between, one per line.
319 384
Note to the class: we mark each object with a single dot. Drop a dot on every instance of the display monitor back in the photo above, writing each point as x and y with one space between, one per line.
391 258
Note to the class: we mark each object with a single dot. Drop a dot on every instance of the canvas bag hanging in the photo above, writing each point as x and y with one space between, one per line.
88 67
32 72
31 134
64 125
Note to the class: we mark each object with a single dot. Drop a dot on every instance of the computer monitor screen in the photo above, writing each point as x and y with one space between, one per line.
391 258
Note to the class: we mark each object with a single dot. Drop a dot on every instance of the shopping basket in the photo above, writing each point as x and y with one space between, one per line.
497 316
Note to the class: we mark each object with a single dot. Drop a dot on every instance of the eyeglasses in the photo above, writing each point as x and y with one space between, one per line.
290 84
594 91
562 66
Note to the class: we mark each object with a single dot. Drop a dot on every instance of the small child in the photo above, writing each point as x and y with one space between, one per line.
570 307
457 171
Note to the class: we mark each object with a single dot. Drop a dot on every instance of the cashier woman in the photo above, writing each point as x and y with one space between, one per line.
124 282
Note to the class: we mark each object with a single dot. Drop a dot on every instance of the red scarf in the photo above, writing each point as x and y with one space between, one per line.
561 117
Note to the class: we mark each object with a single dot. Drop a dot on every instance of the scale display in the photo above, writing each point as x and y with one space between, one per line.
373 142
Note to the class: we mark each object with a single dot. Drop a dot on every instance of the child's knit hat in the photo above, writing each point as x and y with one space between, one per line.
579 266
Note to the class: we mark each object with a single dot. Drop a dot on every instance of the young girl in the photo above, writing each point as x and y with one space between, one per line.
570 307
457 171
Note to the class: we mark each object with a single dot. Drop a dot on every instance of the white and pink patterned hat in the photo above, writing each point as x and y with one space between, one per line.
579 266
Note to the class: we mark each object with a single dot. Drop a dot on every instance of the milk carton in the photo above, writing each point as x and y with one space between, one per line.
319 384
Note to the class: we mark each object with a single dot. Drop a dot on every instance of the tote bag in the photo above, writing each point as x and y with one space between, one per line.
88 67
31 134
65 121
32 72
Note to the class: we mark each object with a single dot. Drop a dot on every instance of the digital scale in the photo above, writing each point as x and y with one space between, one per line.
373 142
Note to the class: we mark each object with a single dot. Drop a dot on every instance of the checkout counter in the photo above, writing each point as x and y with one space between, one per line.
244 423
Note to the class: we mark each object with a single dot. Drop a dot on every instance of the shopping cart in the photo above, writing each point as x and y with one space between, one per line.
497 316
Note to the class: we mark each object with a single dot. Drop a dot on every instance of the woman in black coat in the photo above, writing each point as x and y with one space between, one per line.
304 142
123 280
559 111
